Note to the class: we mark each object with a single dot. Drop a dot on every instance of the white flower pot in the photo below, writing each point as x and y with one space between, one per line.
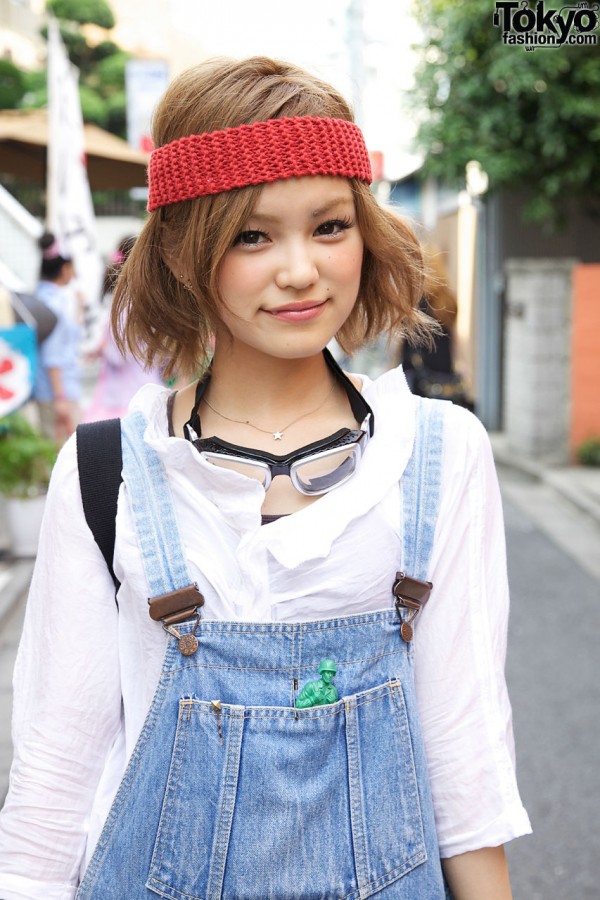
24 520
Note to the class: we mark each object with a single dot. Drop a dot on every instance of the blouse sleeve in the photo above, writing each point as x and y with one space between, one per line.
67 701
460 648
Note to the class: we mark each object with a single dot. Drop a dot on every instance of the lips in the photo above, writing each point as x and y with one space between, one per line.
301 311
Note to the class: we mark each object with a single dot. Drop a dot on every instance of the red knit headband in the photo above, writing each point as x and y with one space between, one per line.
268 151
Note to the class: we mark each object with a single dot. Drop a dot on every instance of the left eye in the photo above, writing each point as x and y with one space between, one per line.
333 226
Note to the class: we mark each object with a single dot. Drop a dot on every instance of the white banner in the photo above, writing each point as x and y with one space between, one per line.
70 212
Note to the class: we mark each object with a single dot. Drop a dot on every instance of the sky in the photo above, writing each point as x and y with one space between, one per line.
316 34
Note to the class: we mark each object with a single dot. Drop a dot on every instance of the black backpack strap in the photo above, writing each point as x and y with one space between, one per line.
100 463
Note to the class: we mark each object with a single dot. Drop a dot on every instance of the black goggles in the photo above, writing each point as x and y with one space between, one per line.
313 469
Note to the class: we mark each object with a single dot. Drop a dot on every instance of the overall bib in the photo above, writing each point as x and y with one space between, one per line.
231 792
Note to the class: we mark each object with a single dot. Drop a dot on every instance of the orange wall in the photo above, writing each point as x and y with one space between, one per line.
585 348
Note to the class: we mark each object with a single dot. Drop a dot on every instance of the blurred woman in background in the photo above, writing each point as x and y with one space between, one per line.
57 388
120 377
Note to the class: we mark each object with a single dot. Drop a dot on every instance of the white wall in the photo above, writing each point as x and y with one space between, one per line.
537 379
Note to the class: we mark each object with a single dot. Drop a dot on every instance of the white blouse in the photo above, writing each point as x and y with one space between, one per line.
86 674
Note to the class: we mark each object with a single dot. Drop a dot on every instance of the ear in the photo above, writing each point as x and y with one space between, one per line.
171 260
178 271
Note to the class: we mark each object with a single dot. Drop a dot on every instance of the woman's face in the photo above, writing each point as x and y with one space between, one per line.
291 278
66 274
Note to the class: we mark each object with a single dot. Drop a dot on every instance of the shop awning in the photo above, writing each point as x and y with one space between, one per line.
111 163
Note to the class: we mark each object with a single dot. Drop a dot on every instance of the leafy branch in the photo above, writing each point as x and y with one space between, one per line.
531 119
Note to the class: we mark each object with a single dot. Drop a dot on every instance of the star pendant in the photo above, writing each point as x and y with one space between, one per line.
278 435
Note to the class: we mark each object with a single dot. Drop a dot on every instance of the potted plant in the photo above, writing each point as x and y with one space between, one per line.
26 462
588 453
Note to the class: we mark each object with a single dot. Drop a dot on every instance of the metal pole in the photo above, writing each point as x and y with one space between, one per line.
355 39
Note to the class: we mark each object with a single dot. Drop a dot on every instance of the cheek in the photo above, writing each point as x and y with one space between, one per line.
350 267
240 278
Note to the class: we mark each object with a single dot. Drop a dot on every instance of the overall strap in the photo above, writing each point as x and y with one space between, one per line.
99 464
420 486
152 510
173 598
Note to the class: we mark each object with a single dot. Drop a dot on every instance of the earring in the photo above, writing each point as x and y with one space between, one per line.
187 284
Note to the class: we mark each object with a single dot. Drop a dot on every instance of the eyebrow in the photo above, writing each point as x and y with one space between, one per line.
342 200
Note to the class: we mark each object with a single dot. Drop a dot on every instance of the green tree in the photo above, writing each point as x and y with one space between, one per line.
96 12
530 118
71 16
35 93
101 65
12 85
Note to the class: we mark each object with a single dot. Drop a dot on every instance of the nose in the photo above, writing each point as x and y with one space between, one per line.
297 268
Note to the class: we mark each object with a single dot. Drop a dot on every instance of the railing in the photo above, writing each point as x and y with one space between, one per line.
19 253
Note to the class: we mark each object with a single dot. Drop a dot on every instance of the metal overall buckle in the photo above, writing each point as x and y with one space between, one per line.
411 594
175 607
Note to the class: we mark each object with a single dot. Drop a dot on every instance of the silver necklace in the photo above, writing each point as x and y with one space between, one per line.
277 435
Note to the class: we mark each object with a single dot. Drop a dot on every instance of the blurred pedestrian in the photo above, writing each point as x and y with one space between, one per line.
429 366
57 388
121 375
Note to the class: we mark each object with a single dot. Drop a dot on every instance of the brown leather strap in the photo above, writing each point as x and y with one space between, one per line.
176 606
411 592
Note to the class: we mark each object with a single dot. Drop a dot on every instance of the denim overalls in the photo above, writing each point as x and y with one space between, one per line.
233 794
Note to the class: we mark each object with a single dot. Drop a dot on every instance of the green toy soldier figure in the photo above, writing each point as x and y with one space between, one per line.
321 692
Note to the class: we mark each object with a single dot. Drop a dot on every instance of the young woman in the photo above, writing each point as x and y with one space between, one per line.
302 725
57 388
120 375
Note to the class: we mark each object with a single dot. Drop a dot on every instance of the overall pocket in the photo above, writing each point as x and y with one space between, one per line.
271 803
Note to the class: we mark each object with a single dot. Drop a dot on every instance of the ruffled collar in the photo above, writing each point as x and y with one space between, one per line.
308 533
311 532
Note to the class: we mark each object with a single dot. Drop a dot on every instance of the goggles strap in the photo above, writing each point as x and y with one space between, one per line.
359 406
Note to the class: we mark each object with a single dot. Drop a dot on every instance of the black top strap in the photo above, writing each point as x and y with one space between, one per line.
100 464
359 406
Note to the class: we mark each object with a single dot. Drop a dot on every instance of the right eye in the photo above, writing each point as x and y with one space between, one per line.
251 238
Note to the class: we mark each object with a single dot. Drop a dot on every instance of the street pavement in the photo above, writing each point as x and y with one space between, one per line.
553 542
552 674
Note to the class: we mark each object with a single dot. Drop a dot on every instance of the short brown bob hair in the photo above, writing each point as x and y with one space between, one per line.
162 320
